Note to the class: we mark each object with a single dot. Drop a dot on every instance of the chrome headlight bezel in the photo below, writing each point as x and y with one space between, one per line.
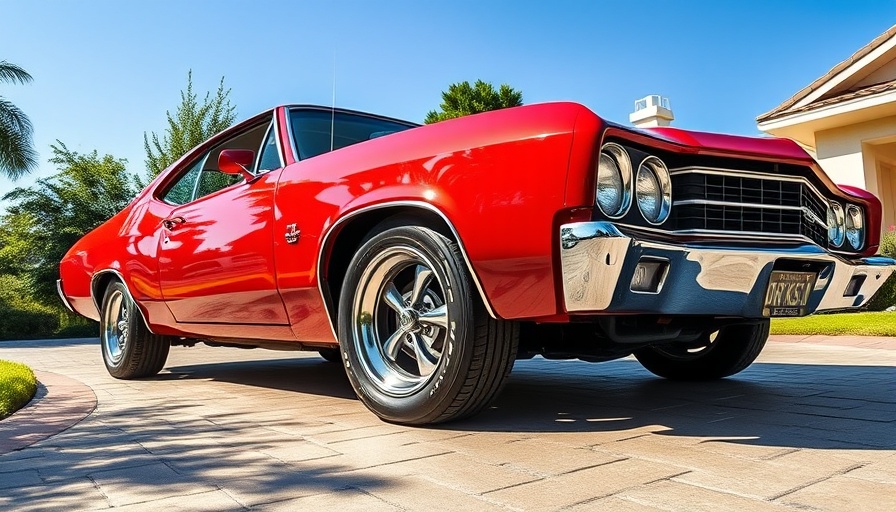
654 171
613 158
854 226
836 224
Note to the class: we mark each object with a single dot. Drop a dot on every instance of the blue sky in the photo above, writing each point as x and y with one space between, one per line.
105 72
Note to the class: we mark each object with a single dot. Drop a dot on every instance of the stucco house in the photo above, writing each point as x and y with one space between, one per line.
847 118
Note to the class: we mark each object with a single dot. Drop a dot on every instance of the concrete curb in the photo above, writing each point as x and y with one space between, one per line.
60 403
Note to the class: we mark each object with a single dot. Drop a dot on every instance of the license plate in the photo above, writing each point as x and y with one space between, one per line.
788 293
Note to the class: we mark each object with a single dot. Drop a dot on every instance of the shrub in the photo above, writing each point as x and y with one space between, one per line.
886 296
17 387
89 329
20 316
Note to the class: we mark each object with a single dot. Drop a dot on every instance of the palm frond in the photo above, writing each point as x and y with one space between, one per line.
17 155
9 72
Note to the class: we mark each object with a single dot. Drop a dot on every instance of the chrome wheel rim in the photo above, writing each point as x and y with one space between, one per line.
115 326
400 321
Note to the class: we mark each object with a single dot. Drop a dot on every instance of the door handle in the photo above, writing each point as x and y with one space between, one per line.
173 222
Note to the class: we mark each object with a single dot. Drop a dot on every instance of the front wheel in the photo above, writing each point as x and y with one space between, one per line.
419 346
729 351
130 350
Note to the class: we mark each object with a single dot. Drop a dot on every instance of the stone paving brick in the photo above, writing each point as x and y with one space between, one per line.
211 501
19 478
583 485
764 480
540 458
364 432
679 497
413 494
613 504
301 479
882 471
346 500
464 473
842 493
144 483
76 494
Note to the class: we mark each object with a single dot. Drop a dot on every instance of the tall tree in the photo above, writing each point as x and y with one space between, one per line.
43 221
463 99
17 155
192 123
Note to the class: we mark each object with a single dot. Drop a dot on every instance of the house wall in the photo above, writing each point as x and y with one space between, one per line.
847 153
862 155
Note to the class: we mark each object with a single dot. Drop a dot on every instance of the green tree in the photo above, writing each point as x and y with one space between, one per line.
191 124
17 155
462 99
43 221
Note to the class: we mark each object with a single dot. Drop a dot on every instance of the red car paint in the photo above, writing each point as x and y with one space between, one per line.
504 180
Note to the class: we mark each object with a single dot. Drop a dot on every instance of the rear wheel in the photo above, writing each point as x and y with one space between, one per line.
419 346
130 351
722 354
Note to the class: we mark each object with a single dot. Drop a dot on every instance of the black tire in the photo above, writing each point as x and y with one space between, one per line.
734 348
450 359
130 351
331 355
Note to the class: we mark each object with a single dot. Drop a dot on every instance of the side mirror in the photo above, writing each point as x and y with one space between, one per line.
237 162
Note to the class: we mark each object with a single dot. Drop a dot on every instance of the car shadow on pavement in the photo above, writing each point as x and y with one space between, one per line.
773 404
301 374
770 404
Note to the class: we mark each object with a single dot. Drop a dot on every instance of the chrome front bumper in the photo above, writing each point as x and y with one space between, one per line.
598 264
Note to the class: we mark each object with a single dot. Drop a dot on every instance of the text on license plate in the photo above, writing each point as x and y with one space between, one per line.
788 293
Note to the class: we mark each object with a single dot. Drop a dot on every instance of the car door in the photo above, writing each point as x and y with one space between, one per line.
215 249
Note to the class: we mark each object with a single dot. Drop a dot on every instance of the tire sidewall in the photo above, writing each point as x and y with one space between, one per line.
118 369
429 402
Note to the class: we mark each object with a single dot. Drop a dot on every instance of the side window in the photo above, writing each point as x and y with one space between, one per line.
311 130
212 180
182 191
270 155
203 176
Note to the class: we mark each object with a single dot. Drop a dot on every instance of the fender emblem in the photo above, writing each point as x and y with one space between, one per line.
292 234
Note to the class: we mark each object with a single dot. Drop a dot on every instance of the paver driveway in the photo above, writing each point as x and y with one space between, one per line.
809 427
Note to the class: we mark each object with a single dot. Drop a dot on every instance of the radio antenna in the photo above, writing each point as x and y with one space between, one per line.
333 109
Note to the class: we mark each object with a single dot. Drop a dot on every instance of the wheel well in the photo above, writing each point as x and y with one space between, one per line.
98 288
357 230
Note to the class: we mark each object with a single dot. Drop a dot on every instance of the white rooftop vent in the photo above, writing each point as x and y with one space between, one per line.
652 111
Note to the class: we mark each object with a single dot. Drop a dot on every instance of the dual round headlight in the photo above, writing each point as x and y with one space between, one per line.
614 178
654 190
855 227
846 225
836 224
613 188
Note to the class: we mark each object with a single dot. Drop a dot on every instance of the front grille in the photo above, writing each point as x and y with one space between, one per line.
708 201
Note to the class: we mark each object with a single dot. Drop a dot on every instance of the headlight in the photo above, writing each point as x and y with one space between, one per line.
836 224
654 190
855 226
614 177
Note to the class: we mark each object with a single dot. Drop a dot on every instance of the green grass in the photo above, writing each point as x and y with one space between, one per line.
855 324
17 386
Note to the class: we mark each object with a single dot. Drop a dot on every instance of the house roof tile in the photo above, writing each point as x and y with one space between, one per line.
787 107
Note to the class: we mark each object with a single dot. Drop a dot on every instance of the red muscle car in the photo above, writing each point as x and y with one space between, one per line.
426 259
